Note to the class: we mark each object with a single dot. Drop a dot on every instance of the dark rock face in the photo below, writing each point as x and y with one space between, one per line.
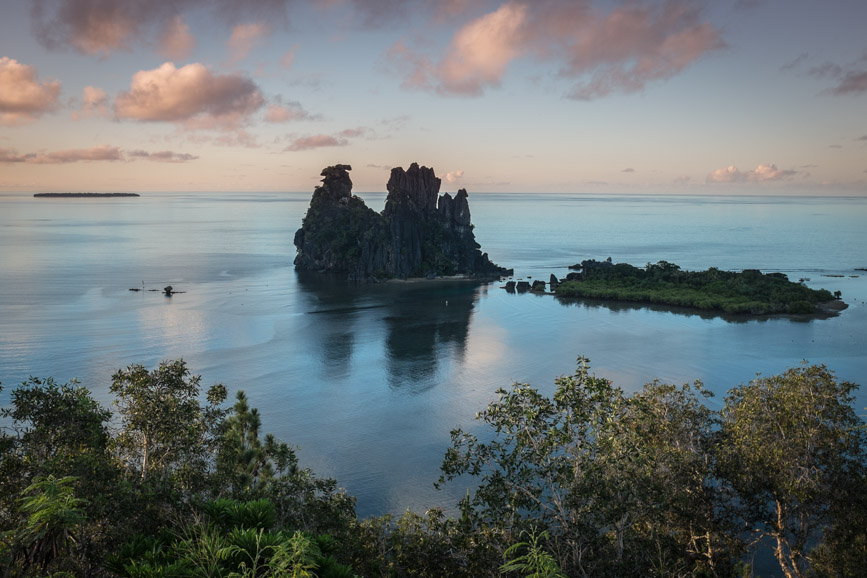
418 234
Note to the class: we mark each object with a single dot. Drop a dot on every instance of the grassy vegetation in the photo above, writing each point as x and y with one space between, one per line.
664 283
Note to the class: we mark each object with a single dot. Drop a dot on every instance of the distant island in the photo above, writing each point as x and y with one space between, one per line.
85 195
664 283
419 234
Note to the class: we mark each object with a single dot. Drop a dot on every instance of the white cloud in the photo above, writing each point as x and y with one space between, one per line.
762 173
453 176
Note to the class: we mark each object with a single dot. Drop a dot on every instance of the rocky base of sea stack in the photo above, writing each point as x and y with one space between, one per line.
420 233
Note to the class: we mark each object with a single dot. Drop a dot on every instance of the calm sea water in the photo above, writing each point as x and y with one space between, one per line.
368 380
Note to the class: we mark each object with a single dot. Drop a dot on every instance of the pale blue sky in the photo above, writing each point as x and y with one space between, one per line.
758 97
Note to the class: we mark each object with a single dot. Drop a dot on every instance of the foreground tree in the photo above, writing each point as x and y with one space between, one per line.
60 433
795 452
166 434
620 486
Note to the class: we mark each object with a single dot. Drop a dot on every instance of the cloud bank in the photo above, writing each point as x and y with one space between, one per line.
603 51
101 27
92 154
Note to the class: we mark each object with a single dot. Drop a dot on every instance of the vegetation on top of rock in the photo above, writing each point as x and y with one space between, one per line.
665 283
418 234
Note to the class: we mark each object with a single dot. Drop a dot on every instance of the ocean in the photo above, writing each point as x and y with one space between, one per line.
368 380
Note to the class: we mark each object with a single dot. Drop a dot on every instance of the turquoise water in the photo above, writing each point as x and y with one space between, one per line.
369 379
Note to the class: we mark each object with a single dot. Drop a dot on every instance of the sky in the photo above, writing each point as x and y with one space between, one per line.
525 96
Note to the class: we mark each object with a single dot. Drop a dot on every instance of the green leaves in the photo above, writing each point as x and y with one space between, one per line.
659 480
52 514
795 451
535 562
165 430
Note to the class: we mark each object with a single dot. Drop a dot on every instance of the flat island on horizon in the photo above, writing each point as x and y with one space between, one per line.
85 195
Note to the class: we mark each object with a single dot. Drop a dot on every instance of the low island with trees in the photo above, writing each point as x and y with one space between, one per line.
84 195
591 481
747 292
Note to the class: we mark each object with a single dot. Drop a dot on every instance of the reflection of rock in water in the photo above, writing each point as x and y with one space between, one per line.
331 332
426 324
425 327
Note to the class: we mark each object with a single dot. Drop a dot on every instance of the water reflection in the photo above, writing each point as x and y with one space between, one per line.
427 325
619 306
332 333
422 327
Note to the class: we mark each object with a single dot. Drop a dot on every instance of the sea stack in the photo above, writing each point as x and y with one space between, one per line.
418 234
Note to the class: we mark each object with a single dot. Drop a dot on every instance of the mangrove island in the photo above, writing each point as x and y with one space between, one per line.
664 283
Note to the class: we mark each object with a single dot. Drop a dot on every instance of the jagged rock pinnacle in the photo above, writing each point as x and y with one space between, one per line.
418 234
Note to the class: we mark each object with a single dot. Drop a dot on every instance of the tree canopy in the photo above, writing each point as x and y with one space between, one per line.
590 481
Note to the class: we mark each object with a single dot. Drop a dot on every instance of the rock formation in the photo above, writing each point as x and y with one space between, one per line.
418 234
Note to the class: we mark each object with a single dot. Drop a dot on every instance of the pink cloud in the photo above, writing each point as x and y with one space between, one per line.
288 58
90 26
9 156
163 156
315 142
288 112
480 51
100 27
97 153
762 173
244 38
193 94
853 82
629 47
453 176
94 102
176 41
22 97
619 49
354 132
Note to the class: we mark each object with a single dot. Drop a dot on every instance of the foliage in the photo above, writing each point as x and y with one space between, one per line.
665 283
619 484
165 436
61 433
587 482
249 469
52 514
535 562
232 539
409 544
795 452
